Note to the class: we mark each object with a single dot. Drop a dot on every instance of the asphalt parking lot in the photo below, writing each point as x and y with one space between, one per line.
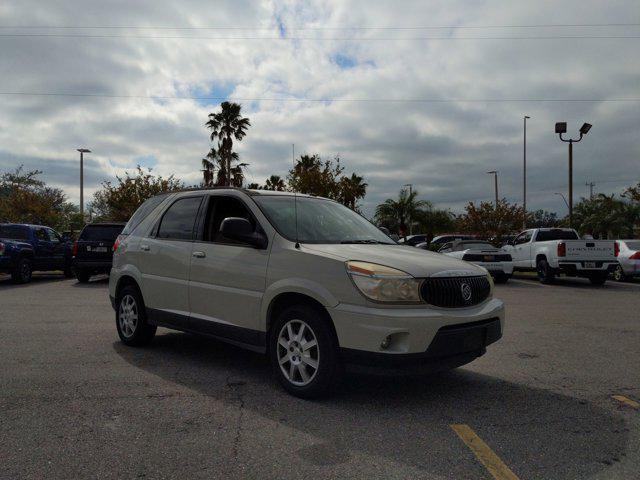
76 403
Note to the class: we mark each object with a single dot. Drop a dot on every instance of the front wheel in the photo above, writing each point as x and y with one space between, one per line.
22 271
131 318
82 275
303 352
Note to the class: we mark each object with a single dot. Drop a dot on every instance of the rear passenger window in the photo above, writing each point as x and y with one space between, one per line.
178 221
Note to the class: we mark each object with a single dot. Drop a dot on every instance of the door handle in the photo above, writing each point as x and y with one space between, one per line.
144 247
199 254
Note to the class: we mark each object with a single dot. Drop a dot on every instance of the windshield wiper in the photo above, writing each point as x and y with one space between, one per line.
369 241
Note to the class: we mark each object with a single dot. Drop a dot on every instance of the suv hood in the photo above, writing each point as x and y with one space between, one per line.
415 261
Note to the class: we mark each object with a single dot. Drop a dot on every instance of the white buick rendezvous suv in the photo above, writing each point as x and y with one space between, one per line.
303 279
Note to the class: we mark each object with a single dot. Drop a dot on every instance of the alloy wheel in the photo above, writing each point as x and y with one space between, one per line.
128 315
618 275
298 352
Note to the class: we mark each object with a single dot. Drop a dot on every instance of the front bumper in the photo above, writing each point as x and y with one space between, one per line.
452 346
407 330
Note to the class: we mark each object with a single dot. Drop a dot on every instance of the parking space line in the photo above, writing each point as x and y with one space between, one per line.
481 450
626 401
523 281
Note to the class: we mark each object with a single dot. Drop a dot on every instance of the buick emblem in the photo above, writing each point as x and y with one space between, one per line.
465 289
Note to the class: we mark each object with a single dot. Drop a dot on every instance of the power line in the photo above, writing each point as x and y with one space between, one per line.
285 38
323 100
316 28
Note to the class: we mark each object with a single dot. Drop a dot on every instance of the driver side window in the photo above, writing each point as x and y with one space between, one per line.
524 237
446 248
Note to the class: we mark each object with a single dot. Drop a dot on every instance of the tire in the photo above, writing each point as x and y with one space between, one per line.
501 278
598 278
618 274
82 275
131 318
310 372
22 271
546 274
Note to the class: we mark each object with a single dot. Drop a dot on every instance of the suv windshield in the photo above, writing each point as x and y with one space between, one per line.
319 220
14 232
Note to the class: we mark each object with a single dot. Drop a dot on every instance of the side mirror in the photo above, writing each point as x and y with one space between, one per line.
240 230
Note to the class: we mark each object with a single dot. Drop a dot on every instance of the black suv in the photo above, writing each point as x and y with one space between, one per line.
93 251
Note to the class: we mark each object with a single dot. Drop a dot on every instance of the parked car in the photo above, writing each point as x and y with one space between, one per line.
93 251
628 253
440 240
304 279
27 248
484 254
554 251
414 240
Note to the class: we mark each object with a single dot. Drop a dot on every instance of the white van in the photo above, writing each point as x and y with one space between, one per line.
303 279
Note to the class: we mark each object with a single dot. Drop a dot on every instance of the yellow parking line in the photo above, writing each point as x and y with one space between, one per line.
626 401
481 450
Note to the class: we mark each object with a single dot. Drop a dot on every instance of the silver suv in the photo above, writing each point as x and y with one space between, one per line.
303 279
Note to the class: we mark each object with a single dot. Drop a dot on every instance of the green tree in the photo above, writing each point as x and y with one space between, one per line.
225 126
117 202
543 219
489 221
432 221
313 176
605 216
395 214
24 198
276 183
351 190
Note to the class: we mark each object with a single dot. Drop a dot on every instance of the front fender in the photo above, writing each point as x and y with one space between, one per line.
295 285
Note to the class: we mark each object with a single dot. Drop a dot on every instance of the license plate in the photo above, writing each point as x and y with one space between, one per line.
488 258
589 264
97 249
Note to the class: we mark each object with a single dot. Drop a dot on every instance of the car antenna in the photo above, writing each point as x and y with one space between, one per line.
295 194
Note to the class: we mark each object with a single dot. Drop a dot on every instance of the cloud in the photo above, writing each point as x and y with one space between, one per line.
365 77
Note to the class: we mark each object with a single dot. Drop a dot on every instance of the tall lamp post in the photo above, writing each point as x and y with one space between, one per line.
561 127
82 152
524 176
495 180
410 185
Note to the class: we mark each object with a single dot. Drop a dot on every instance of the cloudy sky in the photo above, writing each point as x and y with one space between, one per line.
422 92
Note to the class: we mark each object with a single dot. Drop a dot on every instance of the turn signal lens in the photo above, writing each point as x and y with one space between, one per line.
635 256
562 249
616 249
118 241
384 284
74 252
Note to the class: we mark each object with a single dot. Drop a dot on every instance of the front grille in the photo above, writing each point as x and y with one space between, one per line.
448 292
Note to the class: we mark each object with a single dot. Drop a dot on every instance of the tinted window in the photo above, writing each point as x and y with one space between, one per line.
179 220
522 238
474 245
53 236
142 212
556 234
106 233
41 234
219 209
630 245
14 232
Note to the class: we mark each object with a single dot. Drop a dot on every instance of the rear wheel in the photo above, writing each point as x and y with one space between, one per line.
131 318
22 271
598 278
618 274
82 275
303 352
546 274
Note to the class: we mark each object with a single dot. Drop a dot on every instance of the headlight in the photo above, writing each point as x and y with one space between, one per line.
384 284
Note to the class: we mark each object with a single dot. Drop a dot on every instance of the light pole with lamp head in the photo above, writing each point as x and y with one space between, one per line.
561 127
495 180
82 152
524 176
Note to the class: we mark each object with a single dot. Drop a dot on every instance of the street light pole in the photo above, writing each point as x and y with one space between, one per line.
524 177
410 185
82 152
561 127
495 181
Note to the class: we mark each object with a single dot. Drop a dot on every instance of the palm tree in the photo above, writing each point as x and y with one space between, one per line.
225 126
352 189
275 182
394 214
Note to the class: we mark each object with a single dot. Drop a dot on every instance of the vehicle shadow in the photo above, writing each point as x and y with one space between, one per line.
99 281
36 279
575 282
539 434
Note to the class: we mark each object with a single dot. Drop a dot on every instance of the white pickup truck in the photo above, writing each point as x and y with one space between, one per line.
553 251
